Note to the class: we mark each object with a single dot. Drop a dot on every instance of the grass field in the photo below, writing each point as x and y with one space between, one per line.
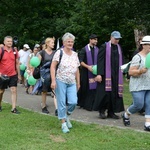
126 94
34 131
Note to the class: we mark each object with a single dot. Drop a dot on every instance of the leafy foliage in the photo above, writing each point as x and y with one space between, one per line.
32 21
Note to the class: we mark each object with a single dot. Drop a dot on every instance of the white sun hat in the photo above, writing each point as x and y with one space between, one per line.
146 40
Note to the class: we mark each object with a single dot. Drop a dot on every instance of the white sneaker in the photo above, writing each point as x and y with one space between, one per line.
64 128
68 123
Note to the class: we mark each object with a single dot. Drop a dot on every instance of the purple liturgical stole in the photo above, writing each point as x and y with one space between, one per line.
91 76
108 83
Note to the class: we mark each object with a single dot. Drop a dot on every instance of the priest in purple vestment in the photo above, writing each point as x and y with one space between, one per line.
88 58
109 79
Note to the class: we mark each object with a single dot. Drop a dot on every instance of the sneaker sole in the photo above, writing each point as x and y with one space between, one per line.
125 124
15 113
146 129
66 131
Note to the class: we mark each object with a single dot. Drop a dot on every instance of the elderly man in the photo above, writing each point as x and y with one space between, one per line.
110 79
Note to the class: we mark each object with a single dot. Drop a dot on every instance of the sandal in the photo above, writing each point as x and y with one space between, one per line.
15 111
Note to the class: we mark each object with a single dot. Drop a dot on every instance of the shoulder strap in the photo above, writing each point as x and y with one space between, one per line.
14 51
140 58
61 54
31 55
2 53
43 57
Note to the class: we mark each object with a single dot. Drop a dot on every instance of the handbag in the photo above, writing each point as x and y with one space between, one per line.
36 73
45 72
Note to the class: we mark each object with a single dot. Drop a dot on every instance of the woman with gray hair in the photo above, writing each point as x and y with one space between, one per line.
65 80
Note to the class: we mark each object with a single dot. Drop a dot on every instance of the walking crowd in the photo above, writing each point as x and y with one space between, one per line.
72 80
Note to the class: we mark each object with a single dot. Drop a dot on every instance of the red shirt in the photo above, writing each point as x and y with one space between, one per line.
8 62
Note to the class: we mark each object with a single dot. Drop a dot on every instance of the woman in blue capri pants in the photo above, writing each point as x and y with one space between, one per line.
65 80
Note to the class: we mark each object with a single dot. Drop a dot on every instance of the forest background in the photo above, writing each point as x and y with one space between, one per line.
31 21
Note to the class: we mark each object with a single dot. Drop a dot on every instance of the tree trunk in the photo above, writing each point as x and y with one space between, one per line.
138 34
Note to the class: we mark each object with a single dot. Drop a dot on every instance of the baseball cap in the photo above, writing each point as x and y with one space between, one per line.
116 34
26 46
37 46
146 40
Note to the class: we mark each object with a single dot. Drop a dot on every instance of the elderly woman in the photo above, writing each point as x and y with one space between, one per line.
139 85
65 80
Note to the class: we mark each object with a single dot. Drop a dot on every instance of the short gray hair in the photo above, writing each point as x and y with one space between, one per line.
67 36
7 37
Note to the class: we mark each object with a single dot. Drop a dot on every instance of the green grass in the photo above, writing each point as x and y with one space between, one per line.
33 131
126 94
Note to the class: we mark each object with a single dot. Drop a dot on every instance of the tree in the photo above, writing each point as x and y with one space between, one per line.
32 21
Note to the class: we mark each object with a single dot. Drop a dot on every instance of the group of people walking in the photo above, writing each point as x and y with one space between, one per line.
74 83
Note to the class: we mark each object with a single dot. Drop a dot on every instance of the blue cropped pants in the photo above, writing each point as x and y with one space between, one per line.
66 95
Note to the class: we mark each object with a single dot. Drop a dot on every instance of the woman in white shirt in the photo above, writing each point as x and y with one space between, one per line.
66 82
139 85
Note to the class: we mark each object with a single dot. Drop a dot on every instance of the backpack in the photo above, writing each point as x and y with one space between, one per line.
45 69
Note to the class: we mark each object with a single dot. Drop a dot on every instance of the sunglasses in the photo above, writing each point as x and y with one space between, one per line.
117 39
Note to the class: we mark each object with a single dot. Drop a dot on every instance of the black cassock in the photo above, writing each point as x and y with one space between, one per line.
86 97
109 100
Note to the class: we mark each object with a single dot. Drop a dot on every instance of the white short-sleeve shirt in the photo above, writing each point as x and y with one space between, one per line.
23 56
141 82
67 68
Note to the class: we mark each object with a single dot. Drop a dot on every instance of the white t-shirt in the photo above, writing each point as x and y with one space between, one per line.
141 82
67 68
23 56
